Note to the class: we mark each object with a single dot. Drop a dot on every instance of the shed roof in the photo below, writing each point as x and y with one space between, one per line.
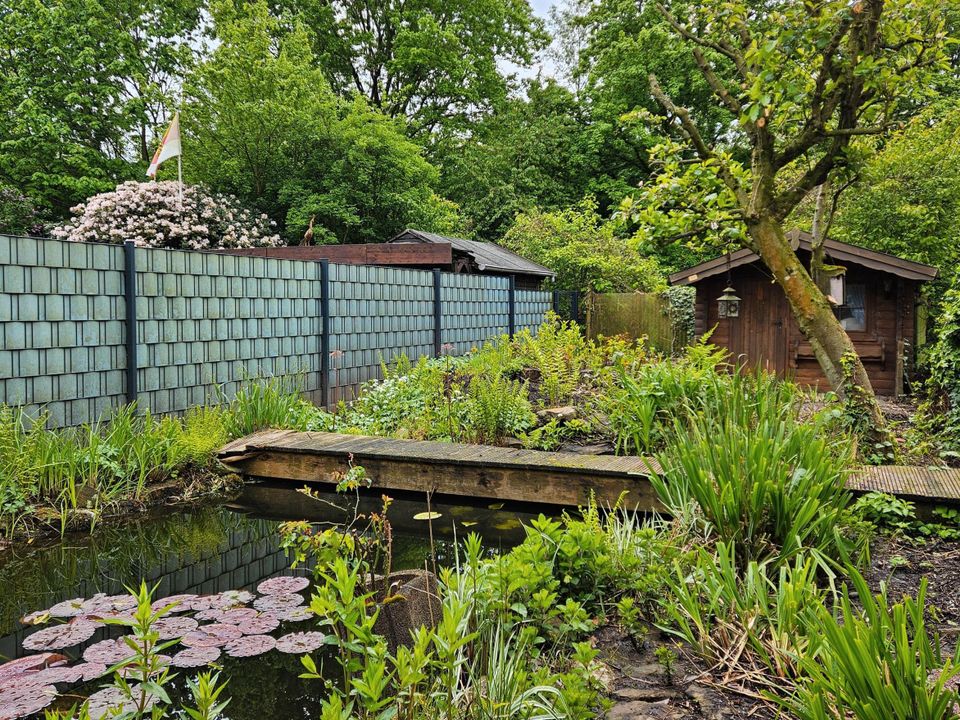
488 256
835 249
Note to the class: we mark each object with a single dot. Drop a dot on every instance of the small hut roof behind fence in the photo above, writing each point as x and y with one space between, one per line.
489 257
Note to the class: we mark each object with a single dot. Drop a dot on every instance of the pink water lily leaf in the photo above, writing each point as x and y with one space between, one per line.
301 642
109 652
105 703
260 625
25 700
170 628
250 645
195 657
216 635
279 601
282 585
58 637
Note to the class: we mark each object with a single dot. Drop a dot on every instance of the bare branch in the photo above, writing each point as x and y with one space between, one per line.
724 48
719 89
693 134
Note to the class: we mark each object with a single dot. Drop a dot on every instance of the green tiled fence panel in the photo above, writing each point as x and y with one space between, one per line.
207 321
61 327
531 307
475 308
376 314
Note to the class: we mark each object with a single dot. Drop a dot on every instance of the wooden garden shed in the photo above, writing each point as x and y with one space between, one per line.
876 301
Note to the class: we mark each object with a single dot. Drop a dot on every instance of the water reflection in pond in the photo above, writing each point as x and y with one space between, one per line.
217 549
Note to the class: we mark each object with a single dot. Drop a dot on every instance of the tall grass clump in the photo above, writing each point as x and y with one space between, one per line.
875 659
748 471
271 402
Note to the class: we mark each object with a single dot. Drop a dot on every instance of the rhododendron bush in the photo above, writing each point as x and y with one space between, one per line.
150 213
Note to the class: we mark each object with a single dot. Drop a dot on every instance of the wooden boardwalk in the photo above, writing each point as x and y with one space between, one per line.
922 484
448 468
483 471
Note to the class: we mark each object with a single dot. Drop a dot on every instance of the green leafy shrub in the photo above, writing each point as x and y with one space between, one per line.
557 354
646 398
885 511
875 659
747 470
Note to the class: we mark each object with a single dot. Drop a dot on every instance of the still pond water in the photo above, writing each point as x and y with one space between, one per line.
225 548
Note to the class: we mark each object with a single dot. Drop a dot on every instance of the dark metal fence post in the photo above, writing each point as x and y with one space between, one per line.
325 332
512 305
437 315
130 299
575 306
556 302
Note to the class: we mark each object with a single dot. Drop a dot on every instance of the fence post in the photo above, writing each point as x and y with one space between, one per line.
130 299
325 333
556 302
437 315
512 305
575 306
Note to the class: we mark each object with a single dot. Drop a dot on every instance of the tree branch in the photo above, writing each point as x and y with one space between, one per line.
724 48
693 134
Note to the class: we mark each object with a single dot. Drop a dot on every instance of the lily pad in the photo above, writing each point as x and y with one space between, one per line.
280 601
173 627
195 657
282 585
427 516
59 637
301 642
37 617
109 652
231 599
91 670
17 667
104 703
68 608
216 635
250 645
263 623
175 603
101 603
294 614
61 675
238 616
26 700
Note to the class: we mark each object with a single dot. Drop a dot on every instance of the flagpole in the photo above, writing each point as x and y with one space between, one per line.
180 180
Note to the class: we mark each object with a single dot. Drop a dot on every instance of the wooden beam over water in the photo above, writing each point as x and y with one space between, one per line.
478 471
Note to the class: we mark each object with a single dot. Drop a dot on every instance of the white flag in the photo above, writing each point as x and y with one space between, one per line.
169 146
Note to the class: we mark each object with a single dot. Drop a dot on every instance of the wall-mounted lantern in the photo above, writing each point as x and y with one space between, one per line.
728 304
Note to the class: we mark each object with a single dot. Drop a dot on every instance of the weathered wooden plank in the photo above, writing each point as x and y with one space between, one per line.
447 468
507 473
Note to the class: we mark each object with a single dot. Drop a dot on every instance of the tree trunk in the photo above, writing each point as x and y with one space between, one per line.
831 344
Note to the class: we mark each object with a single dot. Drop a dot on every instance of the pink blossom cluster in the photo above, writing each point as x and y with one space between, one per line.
150 213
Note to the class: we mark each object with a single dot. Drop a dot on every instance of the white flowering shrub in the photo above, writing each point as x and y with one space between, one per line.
150 214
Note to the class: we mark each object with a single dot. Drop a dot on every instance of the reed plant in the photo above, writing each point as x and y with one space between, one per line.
874 658
749 471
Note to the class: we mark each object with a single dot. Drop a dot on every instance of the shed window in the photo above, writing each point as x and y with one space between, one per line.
853 311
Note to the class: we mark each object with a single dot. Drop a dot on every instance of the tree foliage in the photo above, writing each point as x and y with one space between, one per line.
584 250
265 125
84 85
907 198
433 62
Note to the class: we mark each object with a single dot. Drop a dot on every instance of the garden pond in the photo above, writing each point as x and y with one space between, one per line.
216 550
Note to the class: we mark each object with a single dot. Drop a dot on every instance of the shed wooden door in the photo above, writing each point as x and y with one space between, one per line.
760 336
